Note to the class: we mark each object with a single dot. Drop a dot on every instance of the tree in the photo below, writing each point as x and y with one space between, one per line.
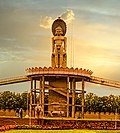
112 103
91 102
17 101
7 99
78 101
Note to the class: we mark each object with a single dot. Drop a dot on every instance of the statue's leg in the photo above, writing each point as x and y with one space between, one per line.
53 60
56 57
61 56
64 60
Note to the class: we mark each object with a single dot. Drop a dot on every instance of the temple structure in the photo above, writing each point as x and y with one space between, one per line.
58 82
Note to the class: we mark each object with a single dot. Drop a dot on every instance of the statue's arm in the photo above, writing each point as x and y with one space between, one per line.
65 43
53 45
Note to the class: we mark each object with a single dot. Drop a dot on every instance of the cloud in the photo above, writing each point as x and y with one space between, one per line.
46 22
68 16
9 39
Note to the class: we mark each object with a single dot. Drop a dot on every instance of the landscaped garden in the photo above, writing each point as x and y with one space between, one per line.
93 103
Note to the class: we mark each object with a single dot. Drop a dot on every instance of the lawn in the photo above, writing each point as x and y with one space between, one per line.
63 131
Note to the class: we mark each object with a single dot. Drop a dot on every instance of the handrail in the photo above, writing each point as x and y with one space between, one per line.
105 82
14 80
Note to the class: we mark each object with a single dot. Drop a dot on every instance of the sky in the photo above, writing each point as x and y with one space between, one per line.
93 34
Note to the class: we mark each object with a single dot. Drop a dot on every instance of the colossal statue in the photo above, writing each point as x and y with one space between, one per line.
59 44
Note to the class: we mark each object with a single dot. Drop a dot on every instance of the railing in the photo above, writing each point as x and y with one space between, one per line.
14 80
58 71
105 82
92 79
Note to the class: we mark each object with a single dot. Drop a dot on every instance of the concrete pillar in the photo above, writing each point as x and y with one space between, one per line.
40 94
73 97
83 86
67 96
71 87
34 91
30 113
43 94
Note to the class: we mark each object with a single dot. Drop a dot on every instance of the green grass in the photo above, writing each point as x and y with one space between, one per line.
63 131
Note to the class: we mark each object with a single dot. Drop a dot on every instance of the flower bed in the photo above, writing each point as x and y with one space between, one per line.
66 124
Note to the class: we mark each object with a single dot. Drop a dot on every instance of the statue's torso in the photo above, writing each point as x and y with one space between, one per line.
58 40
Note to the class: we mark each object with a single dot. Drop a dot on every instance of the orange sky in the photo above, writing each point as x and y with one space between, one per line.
93 35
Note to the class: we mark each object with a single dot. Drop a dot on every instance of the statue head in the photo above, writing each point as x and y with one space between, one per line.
58 31
59 27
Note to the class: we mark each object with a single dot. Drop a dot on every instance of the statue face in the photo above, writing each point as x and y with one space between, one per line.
58 31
